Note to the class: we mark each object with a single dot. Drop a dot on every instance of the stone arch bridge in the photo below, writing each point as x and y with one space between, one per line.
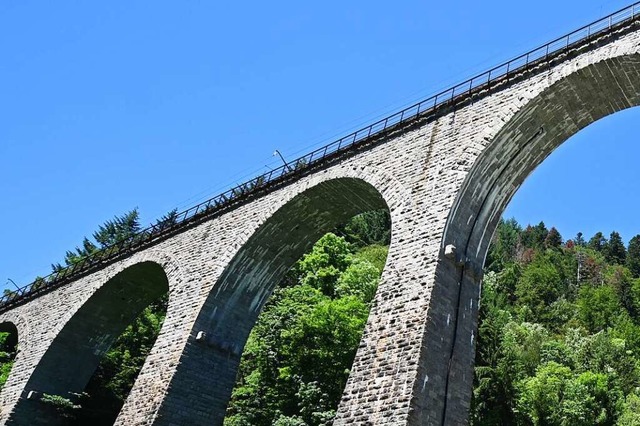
444 168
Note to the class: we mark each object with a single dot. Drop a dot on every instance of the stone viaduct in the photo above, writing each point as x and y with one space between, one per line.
445 171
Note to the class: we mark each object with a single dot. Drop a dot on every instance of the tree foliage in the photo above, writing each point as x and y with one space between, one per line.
559 333
113 231
298 356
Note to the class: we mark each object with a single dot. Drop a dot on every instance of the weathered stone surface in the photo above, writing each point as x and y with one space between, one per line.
445 182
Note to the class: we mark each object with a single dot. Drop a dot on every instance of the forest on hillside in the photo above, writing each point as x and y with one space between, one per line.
559 332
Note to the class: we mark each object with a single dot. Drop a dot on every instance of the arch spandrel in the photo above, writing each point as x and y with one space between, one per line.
237 297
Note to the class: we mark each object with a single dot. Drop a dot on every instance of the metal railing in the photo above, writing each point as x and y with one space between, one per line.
445 99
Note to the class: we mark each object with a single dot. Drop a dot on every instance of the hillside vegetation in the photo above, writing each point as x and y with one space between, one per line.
559 335
559 332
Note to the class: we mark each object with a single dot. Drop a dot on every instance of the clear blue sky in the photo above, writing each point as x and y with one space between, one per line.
107 106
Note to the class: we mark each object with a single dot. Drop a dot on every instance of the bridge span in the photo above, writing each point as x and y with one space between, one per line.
445 169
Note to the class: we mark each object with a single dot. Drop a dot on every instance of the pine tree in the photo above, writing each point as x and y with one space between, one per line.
597 242
554 239
118 229
534 236
633 256
614 250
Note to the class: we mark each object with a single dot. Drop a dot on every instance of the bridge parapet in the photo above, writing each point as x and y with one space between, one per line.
455 97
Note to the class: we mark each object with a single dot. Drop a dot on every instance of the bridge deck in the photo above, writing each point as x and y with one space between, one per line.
470 90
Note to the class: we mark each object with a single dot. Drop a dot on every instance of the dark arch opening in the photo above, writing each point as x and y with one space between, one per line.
301 350
75 353
207 370
8 349
535 131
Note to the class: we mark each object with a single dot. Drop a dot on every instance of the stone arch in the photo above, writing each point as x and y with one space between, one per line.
87 333
207 369
12 329
12 340
576 97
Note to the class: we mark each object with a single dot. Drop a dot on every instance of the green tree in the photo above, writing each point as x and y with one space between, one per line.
504 244
118 229
541 396
598 242
614 250
553 239
369 228
7 354
538 286
633 256
619 277
298 355
630 415
534 236
322 267
598 307
111 232
360 279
